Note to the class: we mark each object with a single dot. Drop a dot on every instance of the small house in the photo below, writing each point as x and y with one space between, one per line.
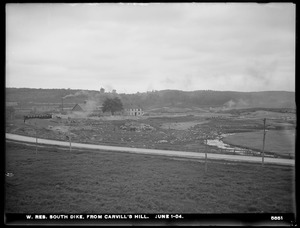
134 111
77 108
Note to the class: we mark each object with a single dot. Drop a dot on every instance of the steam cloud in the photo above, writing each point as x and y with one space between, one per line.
94 100
81 92
239 104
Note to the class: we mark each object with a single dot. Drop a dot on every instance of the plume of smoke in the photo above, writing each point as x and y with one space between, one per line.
229 104
242 103
94 100
90 105
108 87
81 92
232 104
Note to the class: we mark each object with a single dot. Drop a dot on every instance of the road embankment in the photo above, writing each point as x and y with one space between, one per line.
183 154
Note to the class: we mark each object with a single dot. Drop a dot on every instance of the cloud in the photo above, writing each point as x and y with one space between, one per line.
135 47
168 81
262 71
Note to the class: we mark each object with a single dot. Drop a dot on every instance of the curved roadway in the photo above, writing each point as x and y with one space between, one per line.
184 154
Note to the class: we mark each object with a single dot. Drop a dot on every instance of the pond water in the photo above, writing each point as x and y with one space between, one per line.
233 149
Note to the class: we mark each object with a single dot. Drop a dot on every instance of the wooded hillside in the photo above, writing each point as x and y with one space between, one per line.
159 99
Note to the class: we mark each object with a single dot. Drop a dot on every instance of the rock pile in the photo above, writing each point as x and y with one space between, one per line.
132 126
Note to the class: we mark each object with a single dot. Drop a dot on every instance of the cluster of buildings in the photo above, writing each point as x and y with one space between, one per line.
131 110
13 109
88 108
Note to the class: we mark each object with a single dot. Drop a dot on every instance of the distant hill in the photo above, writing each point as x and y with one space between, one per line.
159 99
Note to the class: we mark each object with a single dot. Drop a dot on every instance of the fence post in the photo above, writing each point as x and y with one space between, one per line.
36 142
70 142
206 156
205 162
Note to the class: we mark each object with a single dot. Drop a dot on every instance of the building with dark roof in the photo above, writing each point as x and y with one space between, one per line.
77 108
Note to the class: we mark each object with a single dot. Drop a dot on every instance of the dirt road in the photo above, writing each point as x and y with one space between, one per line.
184 154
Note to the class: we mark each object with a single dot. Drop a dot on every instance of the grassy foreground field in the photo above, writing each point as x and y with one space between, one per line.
58 181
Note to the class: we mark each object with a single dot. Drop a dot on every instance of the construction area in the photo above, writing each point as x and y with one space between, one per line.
65 178
183 132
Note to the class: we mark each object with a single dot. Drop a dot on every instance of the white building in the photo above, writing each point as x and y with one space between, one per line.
134 111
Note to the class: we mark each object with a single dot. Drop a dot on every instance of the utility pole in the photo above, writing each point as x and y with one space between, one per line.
206 155
70 142
263 150
36 136
36 141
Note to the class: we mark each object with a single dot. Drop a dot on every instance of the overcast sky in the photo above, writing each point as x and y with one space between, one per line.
145 47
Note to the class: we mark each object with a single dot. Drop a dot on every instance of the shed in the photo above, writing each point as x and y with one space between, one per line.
77 108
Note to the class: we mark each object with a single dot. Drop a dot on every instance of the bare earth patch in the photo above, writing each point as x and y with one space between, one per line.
181 125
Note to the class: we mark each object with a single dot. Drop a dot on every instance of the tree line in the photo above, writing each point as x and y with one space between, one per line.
174 98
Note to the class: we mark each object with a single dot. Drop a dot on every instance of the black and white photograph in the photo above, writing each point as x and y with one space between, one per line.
150 113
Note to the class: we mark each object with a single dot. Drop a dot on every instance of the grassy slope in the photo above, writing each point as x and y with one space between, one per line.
57 181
